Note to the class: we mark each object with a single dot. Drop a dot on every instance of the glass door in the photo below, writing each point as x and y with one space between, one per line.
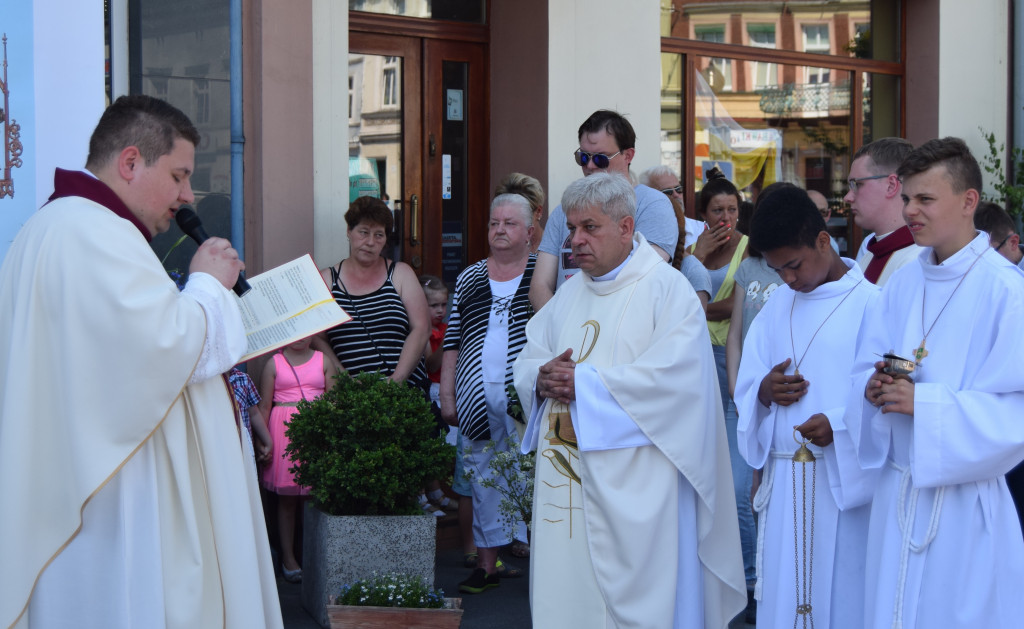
383 126
417 134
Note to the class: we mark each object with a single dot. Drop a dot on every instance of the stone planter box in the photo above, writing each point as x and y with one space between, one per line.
339 549
352 617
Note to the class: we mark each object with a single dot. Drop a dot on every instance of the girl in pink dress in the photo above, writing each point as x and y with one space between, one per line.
294 373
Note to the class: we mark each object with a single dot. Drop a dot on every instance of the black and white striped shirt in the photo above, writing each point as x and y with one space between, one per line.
467 328
374 338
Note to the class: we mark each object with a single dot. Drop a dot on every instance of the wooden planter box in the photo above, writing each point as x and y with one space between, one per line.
355 617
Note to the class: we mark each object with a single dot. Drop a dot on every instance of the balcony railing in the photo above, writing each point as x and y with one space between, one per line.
803 99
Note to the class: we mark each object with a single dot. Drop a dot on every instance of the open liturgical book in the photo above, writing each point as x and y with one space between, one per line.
287 303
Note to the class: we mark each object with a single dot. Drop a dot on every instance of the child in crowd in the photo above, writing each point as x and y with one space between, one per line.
792 382
944 546
296 372
247 400
437 302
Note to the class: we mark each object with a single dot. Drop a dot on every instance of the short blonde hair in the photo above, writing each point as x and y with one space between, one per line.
523 185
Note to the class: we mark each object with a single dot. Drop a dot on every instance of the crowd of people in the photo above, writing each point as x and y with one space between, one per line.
729 418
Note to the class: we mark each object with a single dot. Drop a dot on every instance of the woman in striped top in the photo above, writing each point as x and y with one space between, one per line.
486 331
390 323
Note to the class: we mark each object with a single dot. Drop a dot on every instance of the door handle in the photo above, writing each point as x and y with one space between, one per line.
414 220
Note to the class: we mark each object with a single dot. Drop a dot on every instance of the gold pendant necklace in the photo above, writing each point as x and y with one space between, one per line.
921 352
792 343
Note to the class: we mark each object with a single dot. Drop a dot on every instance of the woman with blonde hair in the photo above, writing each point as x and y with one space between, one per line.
531 190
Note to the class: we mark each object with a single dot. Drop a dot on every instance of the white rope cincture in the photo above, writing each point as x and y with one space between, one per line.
906 518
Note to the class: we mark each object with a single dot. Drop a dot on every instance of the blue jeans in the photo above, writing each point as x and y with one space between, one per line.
742 474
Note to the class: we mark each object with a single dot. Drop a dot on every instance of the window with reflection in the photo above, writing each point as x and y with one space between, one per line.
721 69
474 11
798 132
834 27
180 52
390 81
764 74
773 91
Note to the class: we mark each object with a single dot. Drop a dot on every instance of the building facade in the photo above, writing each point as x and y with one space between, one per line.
433 101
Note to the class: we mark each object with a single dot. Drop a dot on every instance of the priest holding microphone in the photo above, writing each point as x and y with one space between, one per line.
131 503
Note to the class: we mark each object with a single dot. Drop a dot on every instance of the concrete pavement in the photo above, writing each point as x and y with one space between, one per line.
504 607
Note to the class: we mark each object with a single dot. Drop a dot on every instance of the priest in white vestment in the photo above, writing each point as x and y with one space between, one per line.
802 346
634 520
944 544
129 502
875 204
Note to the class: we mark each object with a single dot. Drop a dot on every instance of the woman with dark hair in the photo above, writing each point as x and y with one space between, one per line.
721 248
390 323
755 282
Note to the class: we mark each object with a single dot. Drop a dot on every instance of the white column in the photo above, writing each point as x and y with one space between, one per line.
974 84
330 130
604 54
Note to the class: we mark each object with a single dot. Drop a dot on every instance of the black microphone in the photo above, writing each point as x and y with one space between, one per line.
189 223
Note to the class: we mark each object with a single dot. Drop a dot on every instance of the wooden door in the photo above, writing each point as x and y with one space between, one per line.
417 114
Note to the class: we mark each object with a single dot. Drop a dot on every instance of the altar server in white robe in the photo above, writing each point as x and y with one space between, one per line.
944 544
634 520
128 500
794 378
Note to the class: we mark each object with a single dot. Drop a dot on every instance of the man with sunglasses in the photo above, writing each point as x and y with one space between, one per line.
876 206
662 179
607 144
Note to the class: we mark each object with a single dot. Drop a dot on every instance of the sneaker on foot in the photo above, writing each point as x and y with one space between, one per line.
447 504
428 508
479 581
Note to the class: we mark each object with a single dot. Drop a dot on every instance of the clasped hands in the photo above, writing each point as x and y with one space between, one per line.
785 390
557 378
894 394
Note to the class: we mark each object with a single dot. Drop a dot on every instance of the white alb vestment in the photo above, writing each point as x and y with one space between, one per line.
944 543
134 503
766 440
635 527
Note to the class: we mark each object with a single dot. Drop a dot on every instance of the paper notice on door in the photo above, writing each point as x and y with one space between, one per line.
454 104
287 303
446 176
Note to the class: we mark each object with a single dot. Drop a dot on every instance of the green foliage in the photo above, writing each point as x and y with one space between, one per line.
860 45
364 447
1009 194
391 590
511 475
515 407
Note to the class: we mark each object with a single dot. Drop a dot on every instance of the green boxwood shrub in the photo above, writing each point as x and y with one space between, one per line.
364 447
